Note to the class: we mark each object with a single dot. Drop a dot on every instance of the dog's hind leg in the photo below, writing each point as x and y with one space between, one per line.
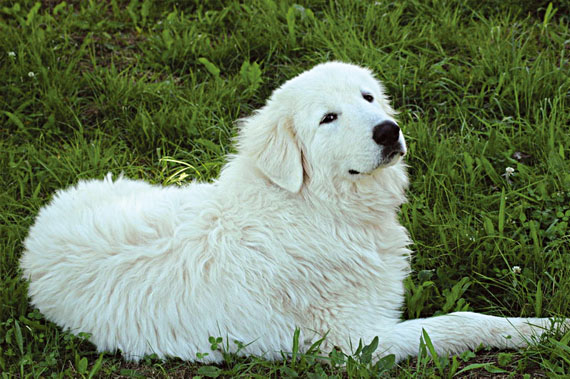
460 331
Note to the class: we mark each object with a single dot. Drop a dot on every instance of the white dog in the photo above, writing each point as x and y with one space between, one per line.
300 231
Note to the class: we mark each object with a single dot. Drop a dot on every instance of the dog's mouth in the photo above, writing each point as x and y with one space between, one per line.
390 155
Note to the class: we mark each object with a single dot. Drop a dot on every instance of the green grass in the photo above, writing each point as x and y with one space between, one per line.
152 89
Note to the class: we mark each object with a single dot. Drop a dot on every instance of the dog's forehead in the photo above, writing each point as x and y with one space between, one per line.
328 82
337 76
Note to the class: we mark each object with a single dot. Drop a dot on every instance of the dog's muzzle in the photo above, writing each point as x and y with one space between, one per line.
386 133
387 136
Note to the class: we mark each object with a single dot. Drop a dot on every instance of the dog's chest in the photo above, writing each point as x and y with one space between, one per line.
341 278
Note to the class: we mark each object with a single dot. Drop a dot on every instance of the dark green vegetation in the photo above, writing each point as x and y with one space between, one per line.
153 90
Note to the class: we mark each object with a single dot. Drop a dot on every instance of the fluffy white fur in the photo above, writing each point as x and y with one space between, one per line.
286 238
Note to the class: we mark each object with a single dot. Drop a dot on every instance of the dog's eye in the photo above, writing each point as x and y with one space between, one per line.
368 97
329 117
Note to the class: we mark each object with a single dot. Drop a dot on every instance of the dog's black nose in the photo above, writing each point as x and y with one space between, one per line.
386 133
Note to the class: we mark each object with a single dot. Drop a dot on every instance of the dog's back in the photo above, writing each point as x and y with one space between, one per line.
105 257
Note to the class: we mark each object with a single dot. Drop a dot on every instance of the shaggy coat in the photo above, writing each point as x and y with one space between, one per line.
300 231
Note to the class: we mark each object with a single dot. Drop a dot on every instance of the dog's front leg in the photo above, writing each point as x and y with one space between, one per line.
460 331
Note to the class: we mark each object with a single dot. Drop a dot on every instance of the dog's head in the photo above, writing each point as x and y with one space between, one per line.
333 121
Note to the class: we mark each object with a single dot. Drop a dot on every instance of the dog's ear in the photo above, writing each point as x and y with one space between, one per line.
271 141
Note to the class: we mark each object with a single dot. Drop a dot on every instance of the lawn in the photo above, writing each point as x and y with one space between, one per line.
152 90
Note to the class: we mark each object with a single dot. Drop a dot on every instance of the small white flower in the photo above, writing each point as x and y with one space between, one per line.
11 54
31 74
516 269
509 171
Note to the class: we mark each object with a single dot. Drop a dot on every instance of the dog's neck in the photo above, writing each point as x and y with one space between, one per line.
371 197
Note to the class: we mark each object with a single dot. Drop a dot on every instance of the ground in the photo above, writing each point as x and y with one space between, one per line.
152 89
